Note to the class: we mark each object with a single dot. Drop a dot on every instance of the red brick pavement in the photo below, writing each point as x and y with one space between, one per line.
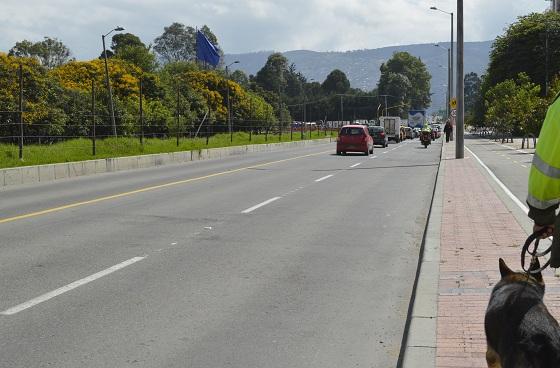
477 229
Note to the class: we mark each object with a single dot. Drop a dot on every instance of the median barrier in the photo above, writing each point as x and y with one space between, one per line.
52 172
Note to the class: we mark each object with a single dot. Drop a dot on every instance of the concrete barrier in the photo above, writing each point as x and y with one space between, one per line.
52 172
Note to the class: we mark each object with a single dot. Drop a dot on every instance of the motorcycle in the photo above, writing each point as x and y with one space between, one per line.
425 138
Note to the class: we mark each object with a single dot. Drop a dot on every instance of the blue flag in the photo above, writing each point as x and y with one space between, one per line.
205 51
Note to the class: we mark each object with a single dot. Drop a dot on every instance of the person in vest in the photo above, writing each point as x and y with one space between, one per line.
544 181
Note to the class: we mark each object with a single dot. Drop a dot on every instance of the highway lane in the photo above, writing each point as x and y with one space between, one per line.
321 276
509 165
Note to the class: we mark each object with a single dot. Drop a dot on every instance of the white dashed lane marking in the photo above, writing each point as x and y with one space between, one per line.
251 209
74 285
324 178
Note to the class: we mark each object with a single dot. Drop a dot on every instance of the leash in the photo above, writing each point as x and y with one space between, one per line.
535 237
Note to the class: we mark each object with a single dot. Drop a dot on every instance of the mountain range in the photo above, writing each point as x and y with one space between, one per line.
362 66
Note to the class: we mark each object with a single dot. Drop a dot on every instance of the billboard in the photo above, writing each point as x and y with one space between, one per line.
416 118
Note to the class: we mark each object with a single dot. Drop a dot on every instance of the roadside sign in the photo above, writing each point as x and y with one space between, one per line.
453 103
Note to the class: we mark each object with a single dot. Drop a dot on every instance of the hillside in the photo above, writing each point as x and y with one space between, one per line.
362 66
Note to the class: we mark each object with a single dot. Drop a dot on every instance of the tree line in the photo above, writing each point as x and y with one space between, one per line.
178 91
522 78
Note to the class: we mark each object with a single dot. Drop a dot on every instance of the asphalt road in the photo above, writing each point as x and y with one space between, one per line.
509 165
297 258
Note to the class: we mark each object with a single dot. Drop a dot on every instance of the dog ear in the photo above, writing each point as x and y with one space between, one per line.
535 265
504 269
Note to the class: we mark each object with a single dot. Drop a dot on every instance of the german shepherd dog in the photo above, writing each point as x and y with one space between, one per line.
520 332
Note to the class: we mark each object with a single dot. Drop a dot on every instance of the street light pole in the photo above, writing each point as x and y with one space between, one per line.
452 64
449 78
111 110
227 98
459 146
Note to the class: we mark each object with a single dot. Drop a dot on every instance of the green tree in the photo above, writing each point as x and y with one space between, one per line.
473 99
121 40
514 106
417 95
271 77
336 83
395 88
50 52
240 78
177 43
523 48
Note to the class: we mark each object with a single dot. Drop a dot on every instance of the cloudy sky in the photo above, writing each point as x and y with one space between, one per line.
257 25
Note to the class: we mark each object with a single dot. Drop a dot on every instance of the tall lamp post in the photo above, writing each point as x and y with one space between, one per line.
449 77
227 98
111 110
452 65
459 146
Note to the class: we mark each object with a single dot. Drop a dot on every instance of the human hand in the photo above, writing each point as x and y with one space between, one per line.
549 230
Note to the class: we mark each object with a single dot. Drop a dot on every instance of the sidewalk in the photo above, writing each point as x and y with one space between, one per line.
476 228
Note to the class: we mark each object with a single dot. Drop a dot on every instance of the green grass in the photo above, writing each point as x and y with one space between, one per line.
81 149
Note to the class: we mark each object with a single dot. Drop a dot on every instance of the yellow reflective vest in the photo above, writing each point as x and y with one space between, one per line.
544 178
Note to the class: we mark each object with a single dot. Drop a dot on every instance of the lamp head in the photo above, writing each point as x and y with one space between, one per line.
433 8
119 28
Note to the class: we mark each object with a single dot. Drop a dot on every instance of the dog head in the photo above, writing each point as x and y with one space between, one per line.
511 276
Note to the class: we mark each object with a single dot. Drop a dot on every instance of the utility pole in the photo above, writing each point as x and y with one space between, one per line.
459 146
385 105
341 110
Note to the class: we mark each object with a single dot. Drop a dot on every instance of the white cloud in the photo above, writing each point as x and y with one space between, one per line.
253 25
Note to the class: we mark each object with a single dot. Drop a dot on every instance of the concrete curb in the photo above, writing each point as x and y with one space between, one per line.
43 173
421 339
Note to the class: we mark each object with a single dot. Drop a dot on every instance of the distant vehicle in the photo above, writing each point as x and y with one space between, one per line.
436 129
392 126
361 122
354 138
378 135
408 133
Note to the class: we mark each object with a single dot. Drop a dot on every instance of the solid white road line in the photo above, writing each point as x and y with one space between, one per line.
64 289
499 182
358 164
373 156
324 178
251 209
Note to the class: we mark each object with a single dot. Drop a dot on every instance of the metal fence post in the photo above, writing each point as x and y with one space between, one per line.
93 117
279 131
177 120
141 115
21 112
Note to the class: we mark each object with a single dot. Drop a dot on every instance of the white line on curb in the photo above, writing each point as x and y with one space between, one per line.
324 178
358 164
502 185
64 289
251 209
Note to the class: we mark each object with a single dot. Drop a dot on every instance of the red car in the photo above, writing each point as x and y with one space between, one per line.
354 138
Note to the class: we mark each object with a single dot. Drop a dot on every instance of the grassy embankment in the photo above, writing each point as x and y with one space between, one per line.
81 149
